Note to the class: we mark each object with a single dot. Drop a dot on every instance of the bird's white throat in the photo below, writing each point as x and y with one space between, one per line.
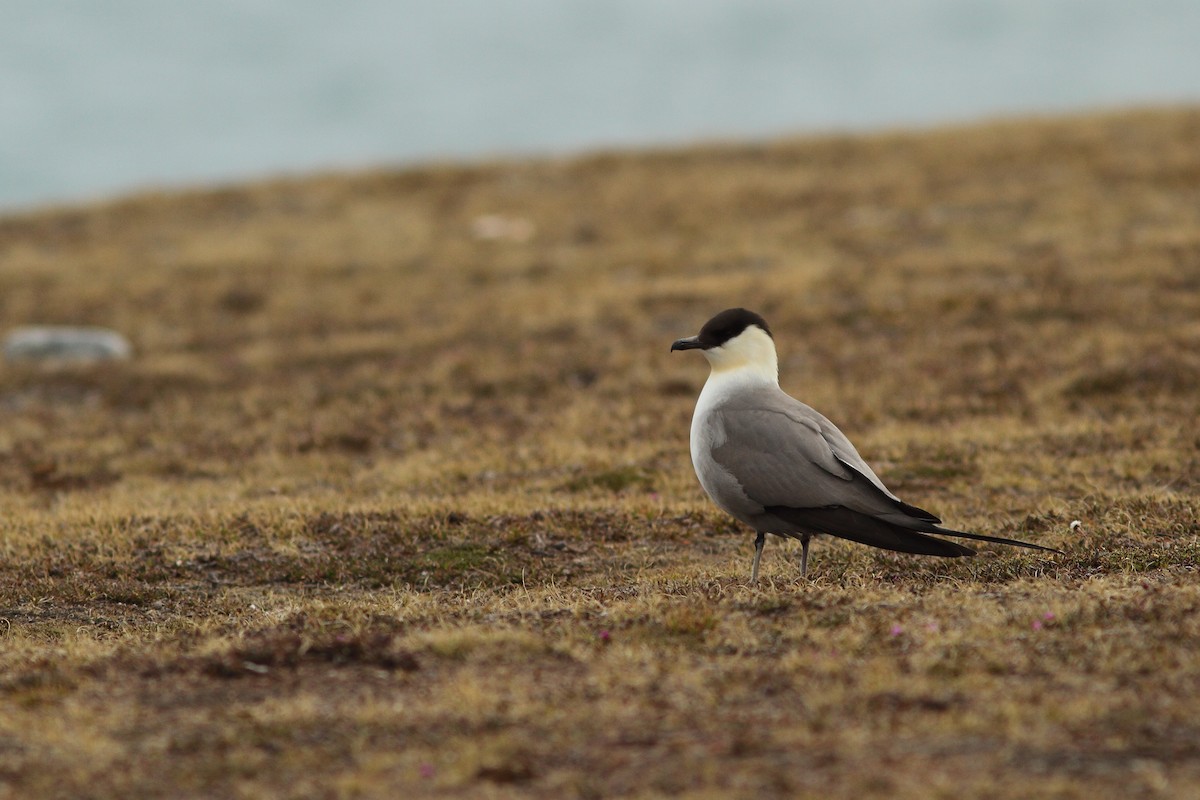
748 357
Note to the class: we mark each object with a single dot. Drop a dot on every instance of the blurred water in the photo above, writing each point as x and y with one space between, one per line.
104 97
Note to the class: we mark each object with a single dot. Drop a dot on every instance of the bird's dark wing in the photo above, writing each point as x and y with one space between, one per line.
847 524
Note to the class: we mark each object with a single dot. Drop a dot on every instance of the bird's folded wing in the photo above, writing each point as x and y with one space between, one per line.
792 462
782 457
787 453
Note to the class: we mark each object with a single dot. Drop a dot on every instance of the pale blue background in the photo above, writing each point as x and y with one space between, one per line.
103 97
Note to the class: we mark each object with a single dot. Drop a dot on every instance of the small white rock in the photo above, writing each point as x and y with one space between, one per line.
65 343
497 227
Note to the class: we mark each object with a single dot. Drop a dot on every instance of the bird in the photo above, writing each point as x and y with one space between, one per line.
783 468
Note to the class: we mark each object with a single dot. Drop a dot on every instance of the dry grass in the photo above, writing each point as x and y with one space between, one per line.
395 500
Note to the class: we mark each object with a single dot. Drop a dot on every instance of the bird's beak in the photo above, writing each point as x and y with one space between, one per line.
690 343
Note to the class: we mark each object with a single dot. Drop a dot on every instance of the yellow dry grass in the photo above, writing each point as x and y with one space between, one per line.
395 500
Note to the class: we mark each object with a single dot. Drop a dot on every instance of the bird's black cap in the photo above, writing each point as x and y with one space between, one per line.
721 328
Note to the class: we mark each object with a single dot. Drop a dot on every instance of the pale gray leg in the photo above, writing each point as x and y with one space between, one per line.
759 541
804 555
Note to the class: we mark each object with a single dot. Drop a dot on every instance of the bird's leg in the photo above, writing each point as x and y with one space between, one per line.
759 541
804 555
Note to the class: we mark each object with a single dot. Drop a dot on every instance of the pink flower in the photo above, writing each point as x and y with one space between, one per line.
897 630
426 770
605 636
1037 624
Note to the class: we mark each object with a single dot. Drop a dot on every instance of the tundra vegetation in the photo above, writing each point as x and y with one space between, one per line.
394 497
